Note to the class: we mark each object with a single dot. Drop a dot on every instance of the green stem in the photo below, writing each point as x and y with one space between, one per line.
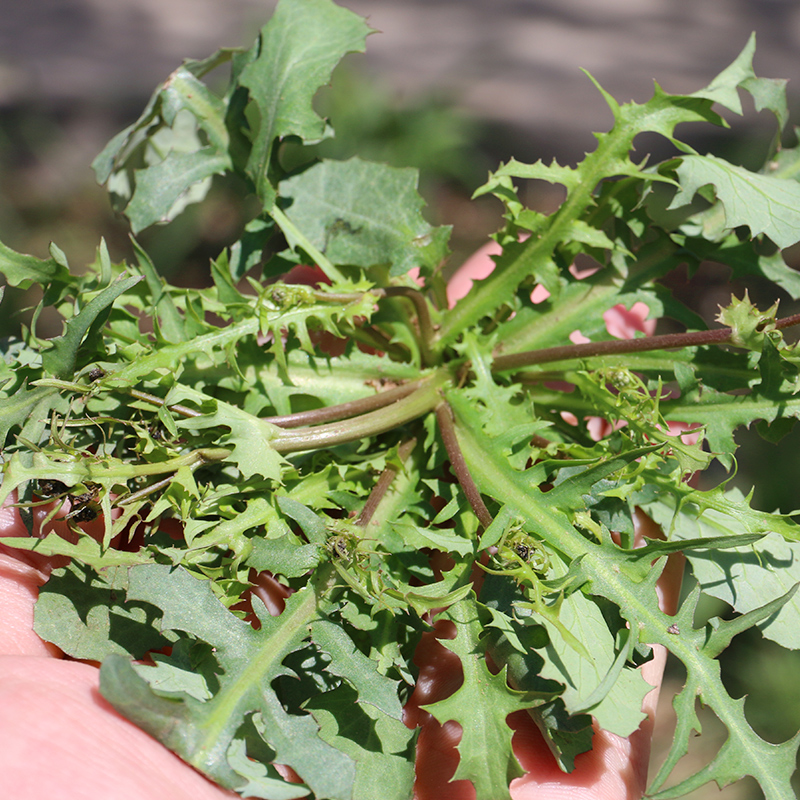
146 492
345 410
408 408
184 411
296 237
194 459
529 255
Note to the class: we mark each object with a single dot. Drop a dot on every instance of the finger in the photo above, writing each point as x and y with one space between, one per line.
437 758
21 575
60 738
615 767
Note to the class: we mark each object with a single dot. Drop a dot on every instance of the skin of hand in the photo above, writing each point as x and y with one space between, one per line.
60 739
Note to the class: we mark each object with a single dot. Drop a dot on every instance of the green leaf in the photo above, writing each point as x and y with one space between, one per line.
721 414
24 271
744 577
86 550
447 541
424 599
182 140
163 428
164 190
382 747
763 203
202 732
535 257
312 525
88 616
743 752
766 92
515 638
596 679
326 770
28 404
363 214
250 437
62 357
286 556
263 780
611 574
481 706
552 173
295 55
357 669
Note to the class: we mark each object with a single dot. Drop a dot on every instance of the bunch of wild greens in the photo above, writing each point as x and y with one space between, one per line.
336 435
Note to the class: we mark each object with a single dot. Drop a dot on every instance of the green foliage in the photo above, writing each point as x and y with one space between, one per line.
332 436
351 210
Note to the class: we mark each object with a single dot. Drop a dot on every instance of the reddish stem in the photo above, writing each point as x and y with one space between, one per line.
444 416
667 341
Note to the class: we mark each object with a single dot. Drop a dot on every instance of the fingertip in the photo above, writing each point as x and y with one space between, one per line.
478 266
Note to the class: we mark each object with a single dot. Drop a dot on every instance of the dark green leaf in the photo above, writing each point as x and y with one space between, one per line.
362 214
296 53
88 616
24 271
62 357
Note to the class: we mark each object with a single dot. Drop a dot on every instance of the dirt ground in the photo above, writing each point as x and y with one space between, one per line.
515 62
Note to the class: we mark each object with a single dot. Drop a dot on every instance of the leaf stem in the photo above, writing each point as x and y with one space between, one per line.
382 486
184 411
667 341
346 410
296 237
146 491
426 332
787 322
444 417
414 405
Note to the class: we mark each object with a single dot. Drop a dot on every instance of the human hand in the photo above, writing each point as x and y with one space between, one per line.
615 767
61 739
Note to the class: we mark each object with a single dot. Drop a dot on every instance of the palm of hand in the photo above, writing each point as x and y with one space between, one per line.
60 738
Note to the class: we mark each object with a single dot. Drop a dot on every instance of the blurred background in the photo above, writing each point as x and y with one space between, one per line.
450 86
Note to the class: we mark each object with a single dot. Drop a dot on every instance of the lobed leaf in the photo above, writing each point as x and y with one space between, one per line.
88 616
295 55
481 706
363 214
744 577
202 732
764 203
612 575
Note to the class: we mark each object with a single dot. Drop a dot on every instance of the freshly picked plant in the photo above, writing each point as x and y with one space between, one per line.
269 490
